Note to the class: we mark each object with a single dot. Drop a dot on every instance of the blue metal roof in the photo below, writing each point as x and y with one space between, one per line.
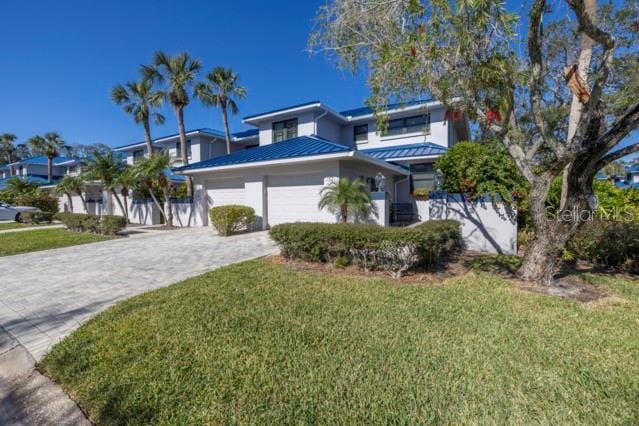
41 160
281 109
633 169
302 146
246 133
405 151
357 112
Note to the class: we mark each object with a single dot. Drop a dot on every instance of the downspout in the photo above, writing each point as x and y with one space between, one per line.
318 118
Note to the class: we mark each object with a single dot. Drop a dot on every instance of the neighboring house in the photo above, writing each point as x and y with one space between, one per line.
202 144
303 147
34 170
633 175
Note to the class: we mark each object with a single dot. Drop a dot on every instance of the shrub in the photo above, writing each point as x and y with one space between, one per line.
36 217
81 222
227 220
111 225
36 198
369 246
611 244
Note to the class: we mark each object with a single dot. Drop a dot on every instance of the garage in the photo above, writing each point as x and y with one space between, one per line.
294 198
224 191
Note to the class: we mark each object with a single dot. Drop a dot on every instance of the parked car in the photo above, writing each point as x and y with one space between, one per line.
9 212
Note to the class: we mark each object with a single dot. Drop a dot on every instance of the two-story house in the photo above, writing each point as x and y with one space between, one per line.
35 170
301 148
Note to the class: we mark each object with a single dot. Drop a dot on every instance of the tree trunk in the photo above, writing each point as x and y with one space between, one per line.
50 169
576 107
156 202
343 213
117 198
168 207
70 200
84 202
184 152
126 210
225 119
147 137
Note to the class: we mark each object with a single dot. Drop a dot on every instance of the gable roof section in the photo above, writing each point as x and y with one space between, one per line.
204 130
426 149
305 104
358 112
302 146
42 160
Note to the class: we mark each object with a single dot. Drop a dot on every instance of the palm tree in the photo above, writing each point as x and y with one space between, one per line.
19 186
345 197
106 168
126 181
152 171
7 149
75 185
177 74
64 187
138 98
48 145
219 89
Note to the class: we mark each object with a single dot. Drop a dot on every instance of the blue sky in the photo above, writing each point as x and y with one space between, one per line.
60 60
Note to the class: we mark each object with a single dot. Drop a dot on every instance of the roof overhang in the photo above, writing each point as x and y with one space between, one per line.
167 139
255 119
302 160
410 108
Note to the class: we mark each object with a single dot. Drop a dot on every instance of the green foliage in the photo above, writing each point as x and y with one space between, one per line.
266 344
104 225
19 192
476 169
227 220
421 193
611 244
347 199
369 246
36 218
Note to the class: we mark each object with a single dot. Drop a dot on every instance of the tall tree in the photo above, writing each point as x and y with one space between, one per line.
153 172
7 148
48 145
138 99
70 185
126 181
177 75
471 55
220 89
106 169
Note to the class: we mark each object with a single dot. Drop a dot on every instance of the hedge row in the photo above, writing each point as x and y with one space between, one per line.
609 244
371 247
104 225
36 218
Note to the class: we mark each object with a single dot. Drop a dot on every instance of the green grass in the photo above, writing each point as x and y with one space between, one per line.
43 239
16 225
261 344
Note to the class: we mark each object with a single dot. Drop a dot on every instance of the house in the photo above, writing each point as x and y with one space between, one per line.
35 169
633 175
295 151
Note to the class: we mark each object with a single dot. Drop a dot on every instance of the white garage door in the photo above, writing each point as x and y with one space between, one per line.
294 198
221 192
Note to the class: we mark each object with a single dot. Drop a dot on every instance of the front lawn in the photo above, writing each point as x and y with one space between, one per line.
260 343
16 225
43 239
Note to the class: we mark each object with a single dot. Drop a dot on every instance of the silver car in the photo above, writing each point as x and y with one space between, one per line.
9 212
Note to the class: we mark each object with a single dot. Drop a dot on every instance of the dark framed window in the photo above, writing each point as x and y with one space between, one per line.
360 133
423 176
283 130
138 155
413 124
178 149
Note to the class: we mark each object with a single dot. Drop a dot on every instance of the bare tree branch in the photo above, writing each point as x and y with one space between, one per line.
616 155
620 128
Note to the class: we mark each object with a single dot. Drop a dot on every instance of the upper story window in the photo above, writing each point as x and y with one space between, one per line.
178 149
413 124
138 155
283 130
423 176
360 133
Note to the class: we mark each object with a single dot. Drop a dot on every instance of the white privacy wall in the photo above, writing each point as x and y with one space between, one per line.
485 226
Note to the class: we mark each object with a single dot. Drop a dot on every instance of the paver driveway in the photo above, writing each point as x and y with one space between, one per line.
45 295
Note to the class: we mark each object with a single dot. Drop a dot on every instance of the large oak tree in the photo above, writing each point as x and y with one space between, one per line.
516 74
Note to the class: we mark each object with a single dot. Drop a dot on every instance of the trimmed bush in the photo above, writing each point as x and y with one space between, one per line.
610 244
227 220
36 217
111 225
37 198
371 247
81 222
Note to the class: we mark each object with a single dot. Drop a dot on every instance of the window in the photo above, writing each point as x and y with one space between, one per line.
178 149
423 176
400 126
138 155
360 133
283 130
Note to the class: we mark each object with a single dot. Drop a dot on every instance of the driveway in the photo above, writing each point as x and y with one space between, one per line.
46 295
